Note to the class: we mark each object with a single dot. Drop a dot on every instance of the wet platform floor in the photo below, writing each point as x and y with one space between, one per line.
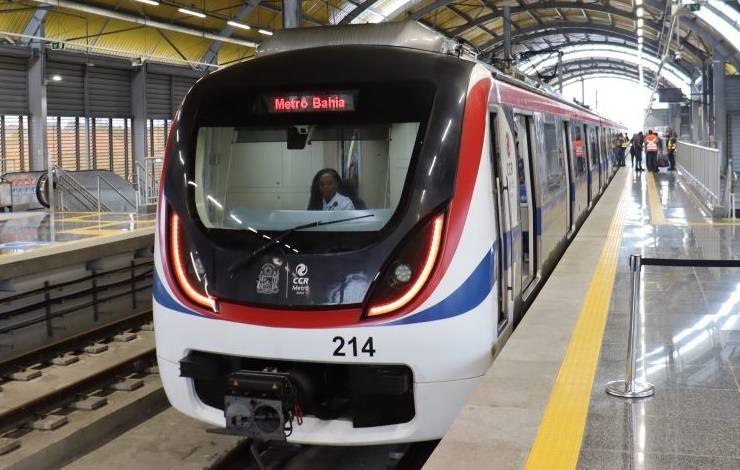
22 232
689 341
543 403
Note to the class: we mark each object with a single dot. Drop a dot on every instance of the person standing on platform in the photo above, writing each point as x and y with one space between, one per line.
651 151
625 146
616 147
636 151
671 146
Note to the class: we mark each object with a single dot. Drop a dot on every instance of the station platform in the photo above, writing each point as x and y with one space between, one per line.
30 231
543 404
35 242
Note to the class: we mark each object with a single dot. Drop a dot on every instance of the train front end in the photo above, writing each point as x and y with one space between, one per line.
324 266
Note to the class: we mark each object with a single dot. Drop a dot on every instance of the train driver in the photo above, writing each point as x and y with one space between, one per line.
325 193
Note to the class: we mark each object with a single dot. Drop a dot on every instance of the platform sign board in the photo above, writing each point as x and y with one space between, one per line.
670 95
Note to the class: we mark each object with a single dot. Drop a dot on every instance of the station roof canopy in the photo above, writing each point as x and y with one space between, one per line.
202 32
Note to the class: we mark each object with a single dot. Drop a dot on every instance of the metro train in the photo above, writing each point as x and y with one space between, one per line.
280 314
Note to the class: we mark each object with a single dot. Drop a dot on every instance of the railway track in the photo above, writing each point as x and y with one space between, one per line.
249 455
43 389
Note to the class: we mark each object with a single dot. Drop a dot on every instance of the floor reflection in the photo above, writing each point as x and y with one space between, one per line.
26 231
689 341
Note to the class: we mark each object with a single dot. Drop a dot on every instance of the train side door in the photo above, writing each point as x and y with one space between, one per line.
593 149
504 174
589 169
569 179
523 132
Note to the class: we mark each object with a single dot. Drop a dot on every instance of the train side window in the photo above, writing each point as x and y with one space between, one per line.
579 150
553 164
593 145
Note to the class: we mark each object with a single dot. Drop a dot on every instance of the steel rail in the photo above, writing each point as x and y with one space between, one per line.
16 417
76 342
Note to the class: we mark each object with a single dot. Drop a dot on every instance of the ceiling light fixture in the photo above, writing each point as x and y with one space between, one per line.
56 78
265 32
639 32
638 2
236 24
149 2
640 22
191 12
640 12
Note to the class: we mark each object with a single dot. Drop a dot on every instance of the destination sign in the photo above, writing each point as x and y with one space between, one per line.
310 102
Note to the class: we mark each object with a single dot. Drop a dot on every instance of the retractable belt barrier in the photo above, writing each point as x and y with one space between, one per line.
630 387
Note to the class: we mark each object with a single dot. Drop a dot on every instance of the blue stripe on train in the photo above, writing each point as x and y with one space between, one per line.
163 298
469 295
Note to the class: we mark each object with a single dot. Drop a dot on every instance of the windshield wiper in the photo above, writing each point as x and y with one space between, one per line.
278 239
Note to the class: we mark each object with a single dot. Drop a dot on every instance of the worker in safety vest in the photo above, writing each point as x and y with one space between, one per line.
671 146
651 150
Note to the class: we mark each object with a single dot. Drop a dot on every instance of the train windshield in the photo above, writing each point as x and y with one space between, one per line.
282 176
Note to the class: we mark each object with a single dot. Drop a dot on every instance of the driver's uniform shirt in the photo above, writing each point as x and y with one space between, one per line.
337 203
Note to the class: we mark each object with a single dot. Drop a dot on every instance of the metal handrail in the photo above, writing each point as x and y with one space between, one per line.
76 190
703 167
101 177
146 180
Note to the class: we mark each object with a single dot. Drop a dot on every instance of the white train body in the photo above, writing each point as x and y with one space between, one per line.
364 358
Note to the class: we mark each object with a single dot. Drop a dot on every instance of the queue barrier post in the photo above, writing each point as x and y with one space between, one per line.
630 387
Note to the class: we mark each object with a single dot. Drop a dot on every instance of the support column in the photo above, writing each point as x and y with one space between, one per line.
560 72
695 103
708 129
37 107
720 109
507 35
291 14
138 115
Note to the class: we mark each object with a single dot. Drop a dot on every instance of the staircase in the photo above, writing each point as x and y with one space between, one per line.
72 196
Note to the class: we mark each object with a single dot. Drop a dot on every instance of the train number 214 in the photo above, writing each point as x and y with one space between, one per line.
349 347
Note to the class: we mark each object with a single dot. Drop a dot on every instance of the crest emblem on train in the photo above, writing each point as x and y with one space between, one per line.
267 281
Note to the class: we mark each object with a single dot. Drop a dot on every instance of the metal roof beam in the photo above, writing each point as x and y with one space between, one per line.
576 27
706 36
107 13
357 11
211 55
546 5
605 64
306 18
611 71
35 22
649 47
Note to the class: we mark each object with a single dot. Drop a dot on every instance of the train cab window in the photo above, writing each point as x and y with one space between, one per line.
275 177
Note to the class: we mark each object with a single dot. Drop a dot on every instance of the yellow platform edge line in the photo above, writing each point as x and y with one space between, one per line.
656 207
558 441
